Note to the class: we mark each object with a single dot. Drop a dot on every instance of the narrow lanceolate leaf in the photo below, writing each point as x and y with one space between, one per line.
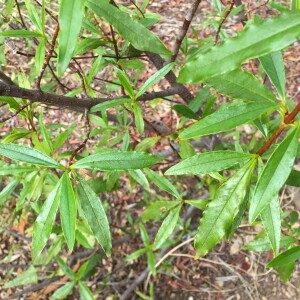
285 258
274 175
138 118
270 217
220 212
274 67
162 182
257 39
228 116
19 33
208 162
167 227
40 56
70 19
27 277
28 155
95 214
125 82
44 222
68 210
239 84
154 79
84 291
108 104
117 160
138 35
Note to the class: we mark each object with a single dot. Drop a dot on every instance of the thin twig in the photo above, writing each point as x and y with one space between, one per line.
15 113
20 14
185 26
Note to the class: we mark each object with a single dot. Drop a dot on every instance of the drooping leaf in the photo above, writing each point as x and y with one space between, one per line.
94 214
220 212
239 84
154 79
117 160
257 39
27 277
44 222
139 36
274 175
162 182
167 227
285 258
274 67
68 210
207 162
70 20
138 118
28 155
226 117
270 217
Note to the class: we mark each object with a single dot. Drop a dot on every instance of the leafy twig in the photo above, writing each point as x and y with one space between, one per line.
15 113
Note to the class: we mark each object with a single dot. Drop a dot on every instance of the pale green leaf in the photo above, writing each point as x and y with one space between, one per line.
63 291
162 182
84 291
27 277
140 177
157 210
167 227
270 217
138 118
6 192
257 39
226 117
274 174
274 67
28 155
155 78
68 210
20 33
200 203
117 160
70 20
139 36
207 162
220 212
94 214
44 222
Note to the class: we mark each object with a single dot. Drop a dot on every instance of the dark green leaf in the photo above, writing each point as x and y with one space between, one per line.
293 179
185 111
287 257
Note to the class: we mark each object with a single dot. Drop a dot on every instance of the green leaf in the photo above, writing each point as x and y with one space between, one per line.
68 210
226 117
63 291
285 258
220 212
200 203
40 56
70 20
239 84
84 291
140 177
270 217
275 174
117 160
138 118
295 5
20 33
186 149
293 179
185 111
147 143
157 210
88 44
94 214
33 15
65 268
5 193
28 155
108 104
167 227
155 78
207 162
27 277
139 36
263 244
135 255
46 138
162 183
257 39
286 271
44 222
61 138
151 262
274 67
125 82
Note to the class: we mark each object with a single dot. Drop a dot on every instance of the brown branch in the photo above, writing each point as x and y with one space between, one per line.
73 103
287 120
15 113
223 20
6 79
184 29
48 57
